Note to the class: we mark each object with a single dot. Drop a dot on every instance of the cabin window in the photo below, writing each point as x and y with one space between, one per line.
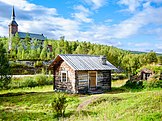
63 76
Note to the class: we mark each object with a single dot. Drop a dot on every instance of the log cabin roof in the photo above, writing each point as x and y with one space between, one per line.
83 62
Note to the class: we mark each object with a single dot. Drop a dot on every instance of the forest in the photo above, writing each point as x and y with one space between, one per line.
35 50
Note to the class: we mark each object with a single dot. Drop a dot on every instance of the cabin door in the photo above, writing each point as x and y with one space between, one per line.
92 79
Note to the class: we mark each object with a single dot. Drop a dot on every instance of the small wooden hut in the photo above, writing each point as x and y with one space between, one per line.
145 74
81 73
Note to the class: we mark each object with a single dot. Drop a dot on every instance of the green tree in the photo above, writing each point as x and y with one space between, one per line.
19 53
79 50
33 54
38 53
43 55
59 104
74 45
160 60
16 40
23 55
5 72
151 57
27 43
66 47
14 46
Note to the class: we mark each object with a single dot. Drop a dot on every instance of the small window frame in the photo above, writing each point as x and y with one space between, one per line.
63 72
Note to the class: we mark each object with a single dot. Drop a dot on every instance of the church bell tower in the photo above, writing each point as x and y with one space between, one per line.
13 27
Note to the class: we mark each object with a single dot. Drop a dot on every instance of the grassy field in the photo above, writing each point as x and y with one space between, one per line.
35 104
119 83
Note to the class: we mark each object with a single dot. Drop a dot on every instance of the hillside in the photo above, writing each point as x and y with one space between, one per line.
37 53
139 52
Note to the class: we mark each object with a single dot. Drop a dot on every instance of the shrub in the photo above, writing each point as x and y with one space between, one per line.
40 79
134 84
50 80
23 82
59 104
14 83
30 82
153 84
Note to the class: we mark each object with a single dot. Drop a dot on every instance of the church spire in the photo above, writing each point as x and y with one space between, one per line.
13 27
13 14
13 22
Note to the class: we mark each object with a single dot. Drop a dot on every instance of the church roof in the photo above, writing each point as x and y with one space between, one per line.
31 35
13 23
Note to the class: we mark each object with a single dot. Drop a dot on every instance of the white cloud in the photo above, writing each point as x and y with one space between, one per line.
156 31
159 46
53 25
108 21
3 31
96 4
132 4
26 6
157 1
145 44
135 24
22 4
82 14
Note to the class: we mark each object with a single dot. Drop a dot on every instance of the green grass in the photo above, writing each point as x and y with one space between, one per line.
138 106
28 89
35 104
119 83
31 105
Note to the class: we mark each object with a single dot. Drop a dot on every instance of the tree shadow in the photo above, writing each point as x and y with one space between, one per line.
23 93
116 90
85 113
16 115
123 89
66 115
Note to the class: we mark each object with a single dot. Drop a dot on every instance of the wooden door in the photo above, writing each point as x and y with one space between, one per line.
92 79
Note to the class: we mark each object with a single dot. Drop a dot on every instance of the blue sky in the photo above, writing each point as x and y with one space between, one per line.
126 24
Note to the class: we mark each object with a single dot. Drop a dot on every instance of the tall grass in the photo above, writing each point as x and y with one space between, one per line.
138 106
37 80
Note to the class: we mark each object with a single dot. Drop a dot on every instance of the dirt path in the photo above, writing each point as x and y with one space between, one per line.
87 102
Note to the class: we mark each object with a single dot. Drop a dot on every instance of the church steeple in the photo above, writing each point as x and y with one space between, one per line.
13 27
13 14
13 22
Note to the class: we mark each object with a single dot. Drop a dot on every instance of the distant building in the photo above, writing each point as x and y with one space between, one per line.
146 73
13 29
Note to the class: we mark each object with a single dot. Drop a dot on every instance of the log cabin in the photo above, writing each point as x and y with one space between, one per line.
81 73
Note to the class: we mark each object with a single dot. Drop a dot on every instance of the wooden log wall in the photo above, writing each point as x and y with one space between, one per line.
69 85
104 79
82 78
